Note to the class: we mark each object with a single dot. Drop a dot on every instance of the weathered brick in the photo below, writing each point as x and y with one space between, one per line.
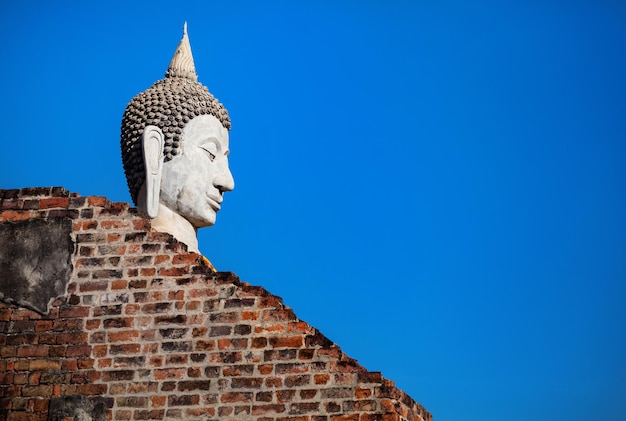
268 409
285 395
152 414
238 370
169 373
300 380
176 346
132 401
220 330
34 365
224 317
231 397
121 362
189 385
173 271
173 333
286 342
32 351
186 258
39 390
72 338
118 322
235 343
117 375
54 202
122 336
304 407
178 319
246 382
239 302
183 400
78 351
107 273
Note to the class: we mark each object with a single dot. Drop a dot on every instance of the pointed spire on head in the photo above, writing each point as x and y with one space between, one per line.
182 62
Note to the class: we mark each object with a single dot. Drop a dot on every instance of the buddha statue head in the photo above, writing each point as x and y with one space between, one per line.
174 145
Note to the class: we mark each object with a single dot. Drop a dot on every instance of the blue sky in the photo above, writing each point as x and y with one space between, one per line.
438 186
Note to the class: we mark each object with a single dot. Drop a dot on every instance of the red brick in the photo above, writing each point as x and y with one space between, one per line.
147 271
174 271
344 378
43 365
361 393
119 284
158 401
183 400
123 336
305 407
308 393
78 351
300 380
272 382
231 397
32 351
250 315
238 370
94 286
269 409
5 314
282 315
40 405
286 342
92 324
114 238
189 385
153 414
169 373
99 201
105 362
321 378
72 338
39 390
43 325
114 224
85 364
190 258
14 216
118 375
100 350
92 389
54 202
223 344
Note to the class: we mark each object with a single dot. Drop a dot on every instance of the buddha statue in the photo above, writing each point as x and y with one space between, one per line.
174 145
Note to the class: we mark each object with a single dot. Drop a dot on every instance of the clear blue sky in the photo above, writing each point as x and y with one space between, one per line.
438 186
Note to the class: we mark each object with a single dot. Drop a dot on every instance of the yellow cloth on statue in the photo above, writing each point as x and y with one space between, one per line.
208 263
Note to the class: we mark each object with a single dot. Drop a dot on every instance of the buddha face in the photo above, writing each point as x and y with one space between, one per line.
194 182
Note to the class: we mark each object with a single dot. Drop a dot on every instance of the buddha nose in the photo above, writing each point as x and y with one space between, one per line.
224 180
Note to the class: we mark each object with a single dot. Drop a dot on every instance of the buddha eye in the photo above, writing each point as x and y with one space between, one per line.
211 154
211 149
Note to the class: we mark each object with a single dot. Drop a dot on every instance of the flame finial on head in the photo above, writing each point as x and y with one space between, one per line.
182 62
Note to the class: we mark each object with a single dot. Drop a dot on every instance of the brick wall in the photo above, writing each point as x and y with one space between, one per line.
155 334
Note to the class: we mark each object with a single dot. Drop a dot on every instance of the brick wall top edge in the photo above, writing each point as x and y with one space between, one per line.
54 191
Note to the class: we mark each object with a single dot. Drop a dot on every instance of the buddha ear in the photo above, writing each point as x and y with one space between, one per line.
152 142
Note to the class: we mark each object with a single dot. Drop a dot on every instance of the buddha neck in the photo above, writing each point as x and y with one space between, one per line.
172 223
